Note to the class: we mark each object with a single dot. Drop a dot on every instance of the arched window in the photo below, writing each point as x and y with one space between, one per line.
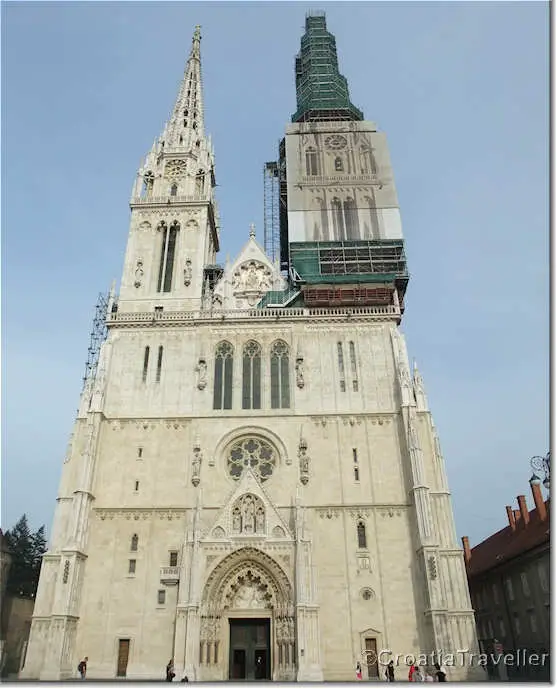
312 162
135 541
280 375
199 182
373 218
367 161
362 540
338 219
148 182
251 376
353 368
168 248
351 219
339 167
222 391
173 190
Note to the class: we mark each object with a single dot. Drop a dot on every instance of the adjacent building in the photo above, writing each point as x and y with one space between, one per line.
254 485
508 575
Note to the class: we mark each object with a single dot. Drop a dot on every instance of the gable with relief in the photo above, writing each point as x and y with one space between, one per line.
248 513
246 281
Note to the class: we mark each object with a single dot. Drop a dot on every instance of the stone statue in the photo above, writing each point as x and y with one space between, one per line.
196 465
300 372
304 461
260 520
201 374
248 516
236 521
187 273
138 273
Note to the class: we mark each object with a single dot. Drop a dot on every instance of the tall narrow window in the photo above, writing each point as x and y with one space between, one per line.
131 566
173 190
362 540
312 163
338 219
161 597
251 378
222 391
356 474
339 167
373 217
280 375
168 249
135 541
340 355
145 364
525 584
355 455
173 558
353 367
367 161
159 365
351 219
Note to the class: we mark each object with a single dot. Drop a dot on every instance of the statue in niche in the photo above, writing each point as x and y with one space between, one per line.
138 273
236 520
248 521
260 520
404 377
304 461
252 278
196 465
300 371
187 273
201 369
413 436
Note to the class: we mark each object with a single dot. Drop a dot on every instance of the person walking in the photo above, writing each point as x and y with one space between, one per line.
170 674
82 668
390 672
440 673
358 671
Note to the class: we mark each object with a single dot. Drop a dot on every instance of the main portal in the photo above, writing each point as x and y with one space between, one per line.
250 649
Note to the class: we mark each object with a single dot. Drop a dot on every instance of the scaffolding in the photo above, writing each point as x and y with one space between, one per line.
271 217
99 333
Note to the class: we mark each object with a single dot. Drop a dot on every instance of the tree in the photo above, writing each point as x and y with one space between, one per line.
27 550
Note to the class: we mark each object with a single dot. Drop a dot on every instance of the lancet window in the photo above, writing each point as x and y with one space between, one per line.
251 376
353 366
224 360
312 162
280 375
168 249
362 539
340 356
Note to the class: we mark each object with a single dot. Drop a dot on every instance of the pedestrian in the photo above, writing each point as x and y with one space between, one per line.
185 678
390 672
82 667
358 671
170 674
440 673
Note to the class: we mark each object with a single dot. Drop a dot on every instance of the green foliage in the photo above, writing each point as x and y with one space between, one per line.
27 549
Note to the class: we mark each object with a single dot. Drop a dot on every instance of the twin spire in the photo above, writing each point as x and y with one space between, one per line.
186 123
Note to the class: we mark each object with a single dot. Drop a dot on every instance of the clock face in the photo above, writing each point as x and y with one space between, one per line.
175 168
335 142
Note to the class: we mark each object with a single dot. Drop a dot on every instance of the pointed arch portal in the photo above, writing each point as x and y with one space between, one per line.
247 609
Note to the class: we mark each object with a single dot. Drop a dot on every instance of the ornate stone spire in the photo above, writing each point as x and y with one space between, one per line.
186 124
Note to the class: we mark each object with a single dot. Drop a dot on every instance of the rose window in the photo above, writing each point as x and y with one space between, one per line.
251 452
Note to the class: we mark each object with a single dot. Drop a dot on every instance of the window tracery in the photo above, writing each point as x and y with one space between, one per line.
251 452
222 391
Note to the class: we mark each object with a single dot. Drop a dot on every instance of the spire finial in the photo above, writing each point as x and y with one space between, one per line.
196 41
252 231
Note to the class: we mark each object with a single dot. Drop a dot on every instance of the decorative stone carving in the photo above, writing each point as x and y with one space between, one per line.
187 273
248 515
432 566
144 226
300 371
218 532
304 461
250 280
138 272
249 598
196 464
367 593
329 513
201 369
278 532
175 169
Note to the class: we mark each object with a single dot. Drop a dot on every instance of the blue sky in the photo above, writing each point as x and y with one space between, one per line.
461 89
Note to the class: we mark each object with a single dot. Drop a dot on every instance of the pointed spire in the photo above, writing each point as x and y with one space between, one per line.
186 124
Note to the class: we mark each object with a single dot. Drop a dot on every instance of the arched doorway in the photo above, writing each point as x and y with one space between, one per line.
247 619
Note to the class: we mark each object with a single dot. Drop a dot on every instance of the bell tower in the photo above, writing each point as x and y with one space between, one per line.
174 227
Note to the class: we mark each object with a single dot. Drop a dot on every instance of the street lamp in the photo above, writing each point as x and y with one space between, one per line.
541 466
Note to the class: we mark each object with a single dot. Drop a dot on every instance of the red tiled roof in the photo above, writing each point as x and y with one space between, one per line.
506 544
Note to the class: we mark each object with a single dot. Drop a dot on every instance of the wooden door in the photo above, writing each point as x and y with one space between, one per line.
371 658
123 655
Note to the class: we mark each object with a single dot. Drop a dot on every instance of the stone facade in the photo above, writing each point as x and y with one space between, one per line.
314 497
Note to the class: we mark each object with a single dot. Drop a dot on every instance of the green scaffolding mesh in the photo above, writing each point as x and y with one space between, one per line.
321 91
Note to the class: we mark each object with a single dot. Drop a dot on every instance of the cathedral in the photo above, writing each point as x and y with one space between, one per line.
254 485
